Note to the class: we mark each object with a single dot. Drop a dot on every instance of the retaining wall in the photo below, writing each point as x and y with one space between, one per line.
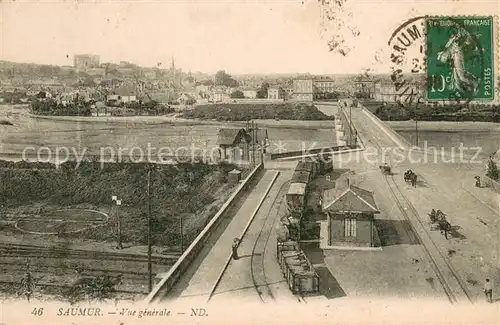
317 151
168 279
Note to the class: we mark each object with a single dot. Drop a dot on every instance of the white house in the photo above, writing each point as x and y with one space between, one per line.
249 92
123 94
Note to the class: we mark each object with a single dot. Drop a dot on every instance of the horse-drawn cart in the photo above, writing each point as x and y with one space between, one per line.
385 169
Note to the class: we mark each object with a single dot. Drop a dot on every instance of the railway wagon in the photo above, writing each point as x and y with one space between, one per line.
295 198
301 177
325 164
307 166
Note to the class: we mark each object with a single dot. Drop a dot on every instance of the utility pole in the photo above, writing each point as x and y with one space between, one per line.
350 125
254 135
182 233
118 202
150 266
120 244
416 126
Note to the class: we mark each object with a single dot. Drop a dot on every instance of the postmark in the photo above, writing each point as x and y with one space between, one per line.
407 57
443 59
460 58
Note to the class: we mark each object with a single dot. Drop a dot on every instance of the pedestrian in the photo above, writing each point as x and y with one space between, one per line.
488 291
236 243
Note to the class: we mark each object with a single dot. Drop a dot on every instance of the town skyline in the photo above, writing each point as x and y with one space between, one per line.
238 37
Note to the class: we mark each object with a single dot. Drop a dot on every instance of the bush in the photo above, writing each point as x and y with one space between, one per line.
245 112
493 172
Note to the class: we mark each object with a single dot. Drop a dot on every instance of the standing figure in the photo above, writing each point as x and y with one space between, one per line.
236 243
27 285
488 291
478 181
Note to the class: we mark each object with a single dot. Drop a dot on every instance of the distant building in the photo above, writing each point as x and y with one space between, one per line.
249 92
364 86
234 144
385 91
275 93
303 89
186 99
123 95
86 61
323 86
220 94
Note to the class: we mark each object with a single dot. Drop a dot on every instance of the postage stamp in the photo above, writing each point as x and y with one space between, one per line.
460 58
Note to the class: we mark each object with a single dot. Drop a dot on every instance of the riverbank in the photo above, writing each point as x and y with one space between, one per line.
173 119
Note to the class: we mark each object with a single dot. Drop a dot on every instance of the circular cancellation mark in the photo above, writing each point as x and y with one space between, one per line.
442 59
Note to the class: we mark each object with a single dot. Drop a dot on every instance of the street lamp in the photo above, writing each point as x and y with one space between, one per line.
119 221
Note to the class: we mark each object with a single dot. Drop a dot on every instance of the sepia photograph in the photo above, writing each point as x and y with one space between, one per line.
243 162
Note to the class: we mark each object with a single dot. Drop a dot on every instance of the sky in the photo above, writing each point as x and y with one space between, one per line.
238 36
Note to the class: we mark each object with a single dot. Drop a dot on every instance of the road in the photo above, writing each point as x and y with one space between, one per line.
462 262
203 273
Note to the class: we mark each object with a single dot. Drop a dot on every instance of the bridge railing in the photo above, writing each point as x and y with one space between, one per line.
348 126
491 183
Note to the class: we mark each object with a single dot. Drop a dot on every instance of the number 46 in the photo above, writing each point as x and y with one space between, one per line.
37 312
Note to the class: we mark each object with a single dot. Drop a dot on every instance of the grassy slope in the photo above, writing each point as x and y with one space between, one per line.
244 112
184 191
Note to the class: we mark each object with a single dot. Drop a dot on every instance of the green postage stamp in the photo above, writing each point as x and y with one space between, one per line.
460 58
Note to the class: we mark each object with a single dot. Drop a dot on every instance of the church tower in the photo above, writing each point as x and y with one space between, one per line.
172 68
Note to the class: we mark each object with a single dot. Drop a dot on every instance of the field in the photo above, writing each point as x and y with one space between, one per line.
245 112
62 220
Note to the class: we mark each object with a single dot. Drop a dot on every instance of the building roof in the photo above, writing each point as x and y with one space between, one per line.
297 189
125 91
352 199
227 137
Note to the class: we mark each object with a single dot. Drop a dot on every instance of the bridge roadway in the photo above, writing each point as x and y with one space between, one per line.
207 274
382 144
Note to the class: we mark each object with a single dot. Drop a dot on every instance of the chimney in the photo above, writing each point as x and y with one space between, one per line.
348 183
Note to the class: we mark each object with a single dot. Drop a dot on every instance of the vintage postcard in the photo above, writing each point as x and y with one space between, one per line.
242 162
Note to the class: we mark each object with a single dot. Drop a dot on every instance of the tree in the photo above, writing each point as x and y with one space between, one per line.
493 171
237 94
262 91
224 79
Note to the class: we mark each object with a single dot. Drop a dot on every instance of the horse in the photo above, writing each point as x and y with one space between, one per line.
407 175
410 178
453 53
444 227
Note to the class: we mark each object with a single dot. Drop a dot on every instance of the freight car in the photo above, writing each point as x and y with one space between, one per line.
309 166
295 198
301 177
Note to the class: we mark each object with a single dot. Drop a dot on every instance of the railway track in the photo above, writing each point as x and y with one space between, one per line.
456 292
30 251
257 266
257 269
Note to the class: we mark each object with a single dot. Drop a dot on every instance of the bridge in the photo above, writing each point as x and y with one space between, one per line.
212 275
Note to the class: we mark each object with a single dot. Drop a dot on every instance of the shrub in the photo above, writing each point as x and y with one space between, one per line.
245 112
493 172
